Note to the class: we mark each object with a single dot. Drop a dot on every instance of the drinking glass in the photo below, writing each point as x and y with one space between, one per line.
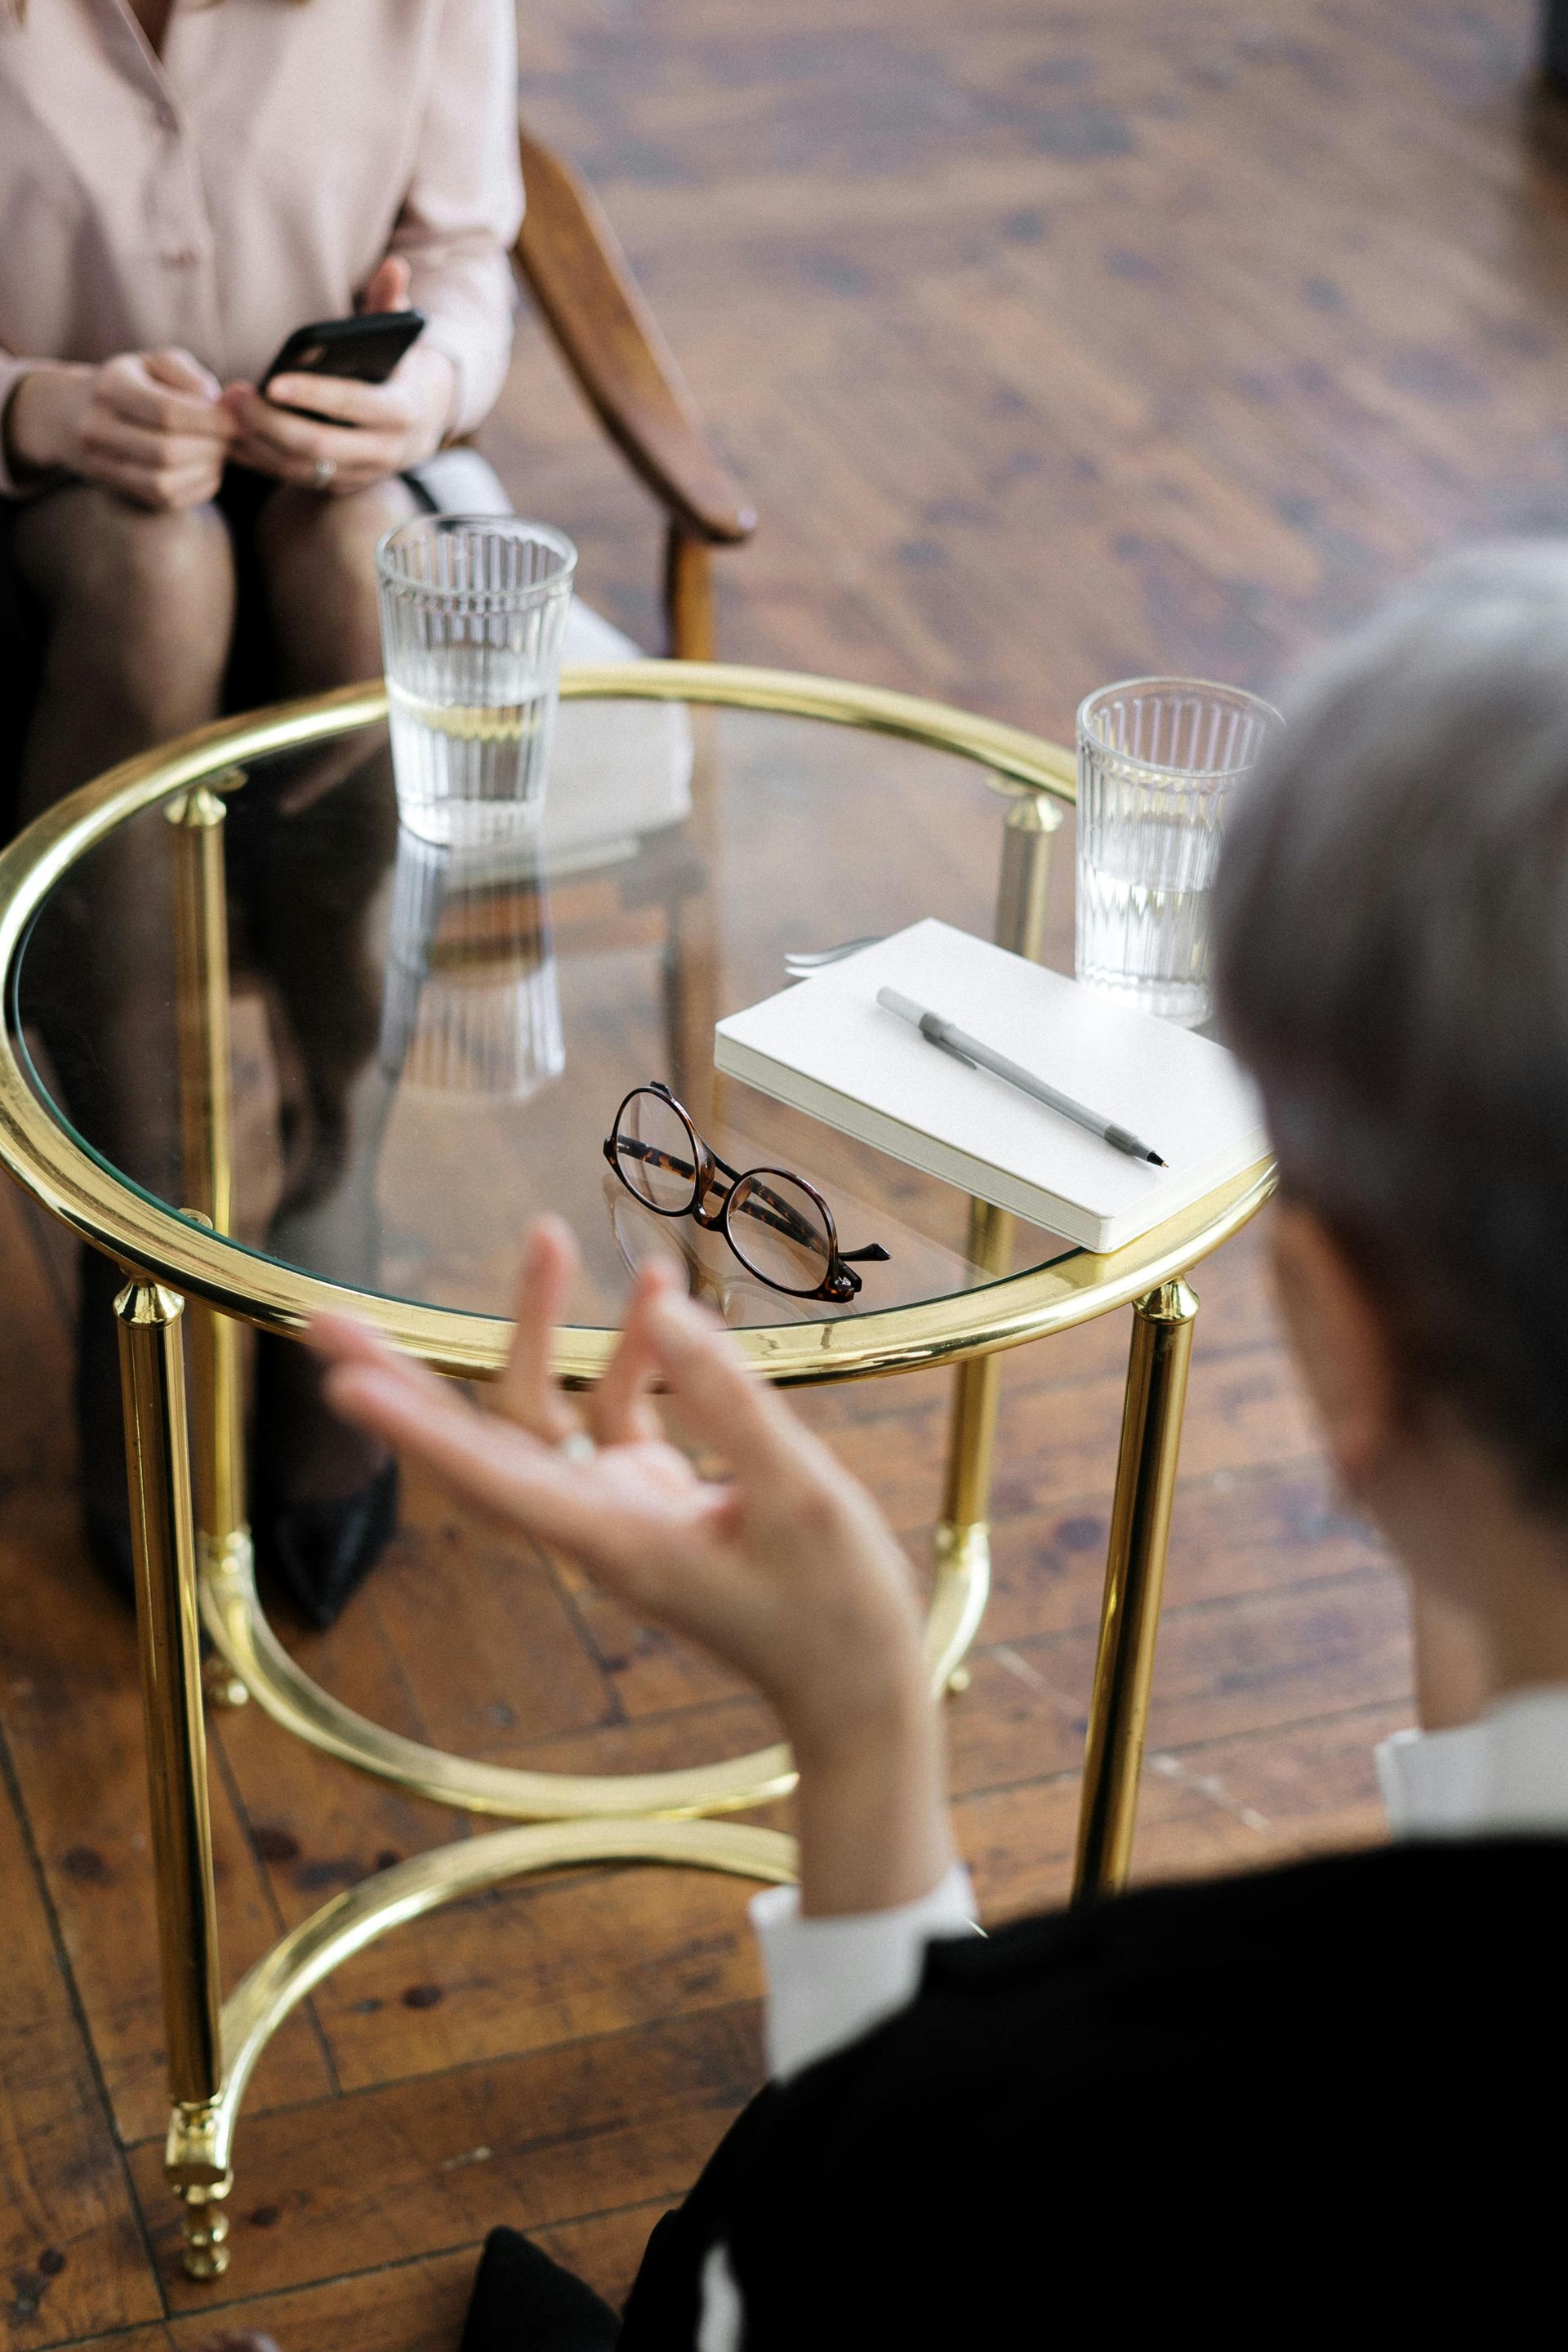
473 608
1158 759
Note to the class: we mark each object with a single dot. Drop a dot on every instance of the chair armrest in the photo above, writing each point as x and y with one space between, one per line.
572 263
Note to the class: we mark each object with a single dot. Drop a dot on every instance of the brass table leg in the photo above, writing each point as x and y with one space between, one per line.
693 940
201 960
153 1382
1135 1574
964 1530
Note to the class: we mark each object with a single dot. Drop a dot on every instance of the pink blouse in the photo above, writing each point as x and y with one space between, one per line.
252 179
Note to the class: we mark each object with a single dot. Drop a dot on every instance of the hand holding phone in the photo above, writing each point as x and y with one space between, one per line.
362 350
348 402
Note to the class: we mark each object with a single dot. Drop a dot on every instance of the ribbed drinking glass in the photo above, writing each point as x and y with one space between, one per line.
473 610
1158 760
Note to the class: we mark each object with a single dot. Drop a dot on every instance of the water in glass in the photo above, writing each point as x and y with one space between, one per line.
473 611
1158 759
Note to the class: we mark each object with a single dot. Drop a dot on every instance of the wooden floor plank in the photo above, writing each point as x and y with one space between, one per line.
71 1711
72 2250
586 2127
410 2306
552 1960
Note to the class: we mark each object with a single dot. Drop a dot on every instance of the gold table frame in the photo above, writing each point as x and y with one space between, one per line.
192 1554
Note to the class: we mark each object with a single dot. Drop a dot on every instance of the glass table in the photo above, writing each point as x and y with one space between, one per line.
445 1033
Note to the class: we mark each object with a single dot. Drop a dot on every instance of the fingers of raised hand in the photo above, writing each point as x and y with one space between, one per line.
504 1469
728 1407
342 1340
525 1393
621 1411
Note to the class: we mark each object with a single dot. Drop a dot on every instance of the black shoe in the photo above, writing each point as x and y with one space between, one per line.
322 1552
109 1542
522 2299
326 1494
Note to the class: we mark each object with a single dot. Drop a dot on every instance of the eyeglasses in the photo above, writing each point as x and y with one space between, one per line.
778 1226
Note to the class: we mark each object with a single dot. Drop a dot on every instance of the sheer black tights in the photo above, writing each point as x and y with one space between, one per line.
139 613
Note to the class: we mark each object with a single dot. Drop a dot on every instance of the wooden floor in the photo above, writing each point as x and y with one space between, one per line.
1058 343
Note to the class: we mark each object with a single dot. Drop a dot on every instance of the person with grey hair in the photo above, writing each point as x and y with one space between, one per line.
1283 2097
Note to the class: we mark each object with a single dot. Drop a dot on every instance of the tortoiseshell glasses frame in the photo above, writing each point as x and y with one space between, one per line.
786 1227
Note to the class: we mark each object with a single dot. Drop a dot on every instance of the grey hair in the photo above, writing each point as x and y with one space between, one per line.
1391 949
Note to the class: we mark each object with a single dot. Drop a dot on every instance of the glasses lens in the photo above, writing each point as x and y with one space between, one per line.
778 1230
655 1153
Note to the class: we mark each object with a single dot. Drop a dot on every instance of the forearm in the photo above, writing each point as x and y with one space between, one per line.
469 299
433 381
871 1813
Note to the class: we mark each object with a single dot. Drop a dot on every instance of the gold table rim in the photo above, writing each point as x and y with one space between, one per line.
48 1162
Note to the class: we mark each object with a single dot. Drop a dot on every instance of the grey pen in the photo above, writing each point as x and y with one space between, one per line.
957 1041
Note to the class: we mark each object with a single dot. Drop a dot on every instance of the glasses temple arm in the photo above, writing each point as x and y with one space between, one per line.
651 1154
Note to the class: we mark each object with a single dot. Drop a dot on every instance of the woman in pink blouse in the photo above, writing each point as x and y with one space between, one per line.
182 182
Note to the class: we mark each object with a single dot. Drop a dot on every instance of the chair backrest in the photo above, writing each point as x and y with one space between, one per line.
574 266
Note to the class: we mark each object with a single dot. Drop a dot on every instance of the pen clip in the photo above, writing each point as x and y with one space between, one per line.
943 1047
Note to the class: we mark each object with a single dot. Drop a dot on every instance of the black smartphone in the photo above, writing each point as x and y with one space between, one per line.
366 348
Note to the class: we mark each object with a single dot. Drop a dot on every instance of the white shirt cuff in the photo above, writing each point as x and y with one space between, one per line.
1432 1781
1504 1775
831 1980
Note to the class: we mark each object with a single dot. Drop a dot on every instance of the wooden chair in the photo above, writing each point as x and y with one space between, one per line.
572 264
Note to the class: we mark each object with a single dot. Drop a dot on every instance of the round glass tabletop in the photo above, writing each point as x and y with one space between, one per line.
429 1043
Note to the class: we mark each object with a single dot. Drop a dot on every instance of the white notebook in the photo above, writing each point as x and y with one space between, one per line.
827 1046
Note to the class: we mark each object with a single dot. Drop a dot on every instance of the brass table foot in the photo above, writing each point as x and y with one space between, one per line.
221 1687
206 2229
200 2177
196 2160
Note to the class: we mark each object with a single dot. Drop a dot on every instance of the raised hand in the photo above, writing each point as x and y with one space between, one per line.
784 1570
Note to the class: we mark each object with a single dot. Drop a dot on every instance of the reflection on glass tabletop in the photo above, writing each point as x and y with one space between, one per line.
430 1042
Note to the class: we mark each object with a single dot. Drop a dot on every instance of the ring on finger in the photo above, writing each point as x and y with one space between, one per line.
325 468
576 1446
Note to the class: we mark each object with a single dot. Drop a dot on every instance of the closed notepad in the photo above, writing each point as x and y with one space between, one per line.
827 1046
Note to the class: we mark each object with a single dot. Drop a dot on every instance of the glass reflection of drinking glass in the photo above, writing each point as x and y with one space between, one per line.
472 1004
1158 759
473 611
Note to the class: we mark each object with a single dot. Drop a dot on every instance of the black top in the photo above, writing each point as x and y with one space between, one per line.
1328 2085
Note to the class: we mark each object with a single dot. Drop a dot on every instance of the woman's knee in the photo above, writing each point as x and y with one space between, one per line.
335 537
318 559
131 579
